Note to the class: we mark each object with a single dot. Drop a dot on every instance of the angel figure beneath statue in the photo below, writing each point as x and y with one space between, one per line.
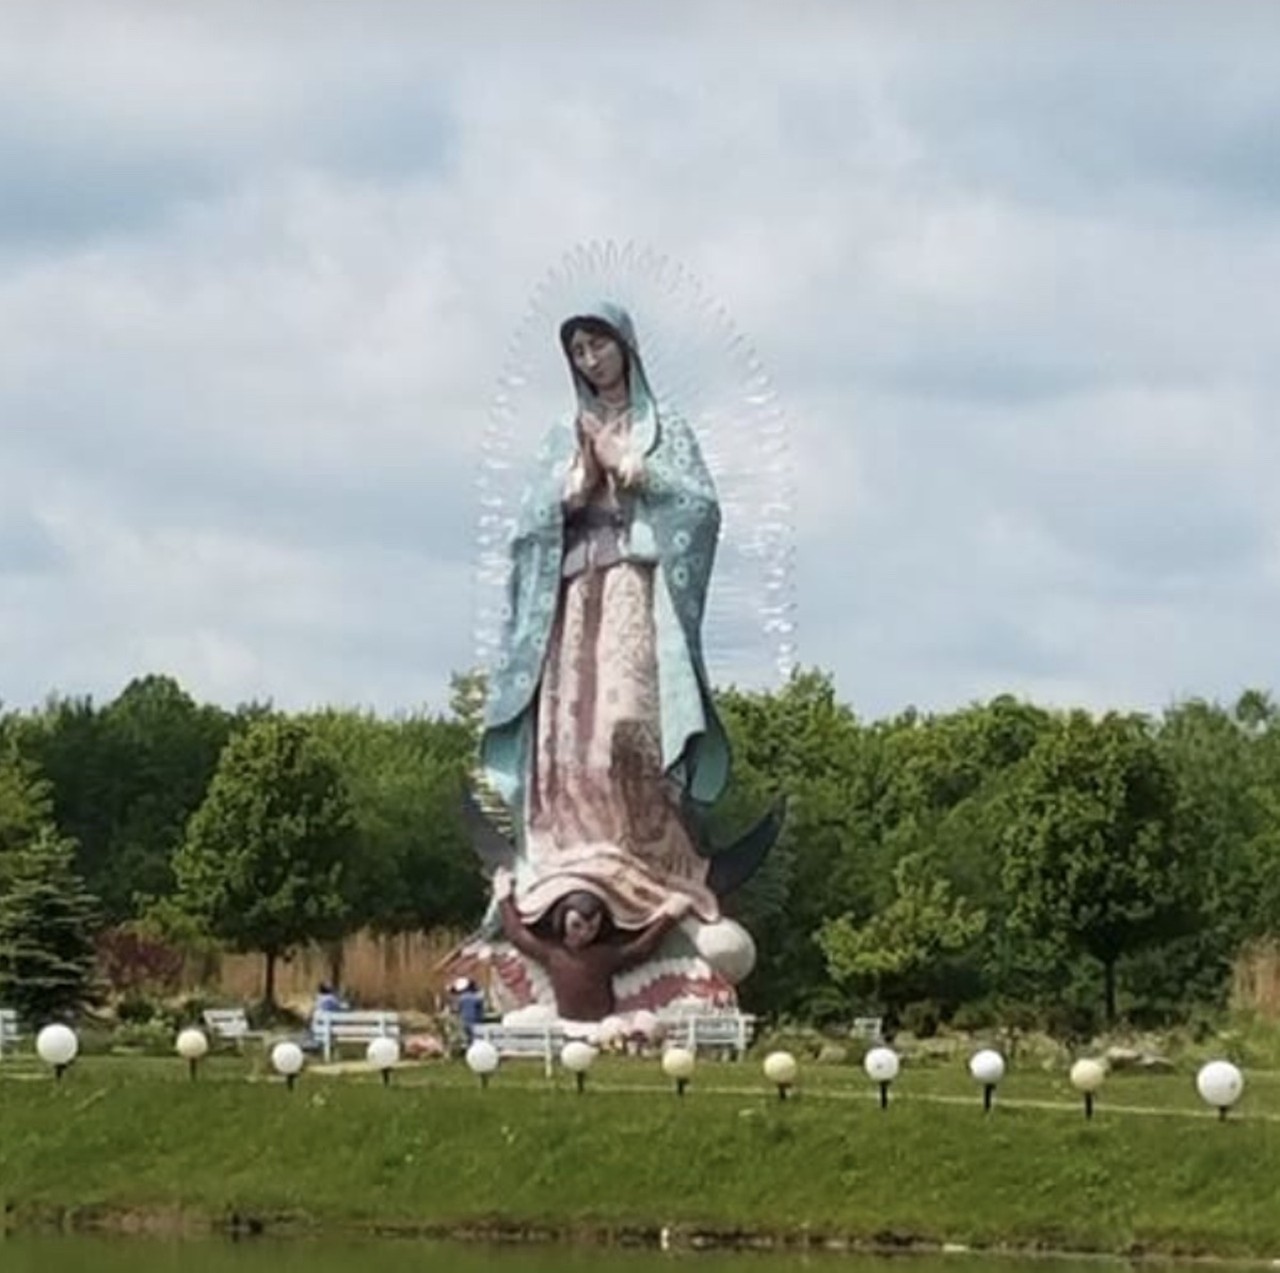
583 951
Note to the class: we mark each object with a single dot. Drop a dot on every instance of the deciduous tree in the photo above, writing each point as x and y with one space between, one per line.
1092 851
265 861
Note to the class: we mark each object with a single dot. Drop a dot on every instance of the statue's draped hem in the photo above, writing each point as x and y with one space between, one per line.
600 807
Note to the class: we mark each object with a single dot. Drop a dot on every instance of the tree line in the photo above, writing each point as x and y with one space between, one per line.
1001 862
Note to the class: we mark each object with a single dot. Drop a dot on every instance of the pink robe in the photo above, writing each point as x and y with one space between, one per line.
601 814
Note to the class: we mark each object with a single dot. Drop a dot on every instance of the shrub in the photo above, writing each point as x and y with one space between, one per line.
135 961
152 1038
981 1014
922 1018
1070 1022
135 1009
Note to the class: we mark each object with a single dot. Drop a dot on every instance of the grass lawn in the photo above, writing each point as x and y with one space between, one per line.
1153 1170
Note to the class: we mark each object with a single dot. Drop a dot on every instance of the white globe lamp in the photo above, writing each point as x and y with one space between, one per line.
677 1064
383 1055
1220 1084
56 1046
576 1056
780 1069
882 1066
482 1060
987 1068
192 1046
287 1061
1087 1077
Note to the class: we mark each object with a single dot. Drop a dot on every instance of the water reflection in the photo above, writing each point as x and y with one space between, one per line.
139 1255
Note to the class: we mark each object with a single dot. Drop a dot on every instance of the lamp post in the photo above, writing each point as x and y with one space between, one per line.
57 1045
192 1046
987 1068
1220 1084
677 1064
780 1068
287 1060
576 1057
482 1060
1087 1077
882 1066
383 1055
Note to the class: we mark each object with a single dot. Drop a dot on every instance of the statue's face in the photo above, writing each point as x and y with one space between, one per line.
600 359
580 931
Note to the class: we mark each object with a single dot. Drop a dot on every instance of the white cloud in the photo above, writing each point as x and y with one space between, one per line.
260 269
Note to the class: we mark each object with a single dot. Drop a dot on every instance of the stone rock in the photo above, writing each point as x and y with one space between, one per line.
1121 1058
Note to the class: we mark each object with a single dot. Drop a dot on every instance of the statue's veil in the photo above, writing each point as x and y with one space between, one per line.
699 366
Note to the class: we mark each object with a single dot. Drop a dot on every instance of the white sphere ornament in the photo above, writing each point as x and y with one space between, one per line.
727 947
611 1032
1087 1077
677 1064
1220 1084
987 1068
882 1066
576 1057
482 1060
287 1060
56 1046
192 1045
383 1055
780 1068
646 1024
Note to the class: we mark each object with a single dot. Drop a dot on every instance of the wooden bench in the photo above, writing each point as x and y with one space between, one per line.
730 1032
329 1029
541 1042
229 1025
9 1034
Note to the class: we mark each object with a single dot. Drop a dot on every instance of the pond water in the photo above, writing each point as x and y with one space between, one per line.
145 1255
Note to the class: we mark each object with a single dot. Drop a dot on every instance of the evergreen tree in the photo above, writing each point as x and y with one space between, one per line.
47 923
26 801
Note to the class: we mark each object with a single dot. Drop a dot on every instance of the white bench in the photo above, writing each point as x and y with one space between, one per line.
329 1029
710 1031
869 1029
228 1024
9 1034
542 1042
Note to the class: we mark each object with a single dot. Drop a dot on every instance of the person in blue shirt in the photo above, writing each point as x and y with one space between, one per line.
469 1002
329 1000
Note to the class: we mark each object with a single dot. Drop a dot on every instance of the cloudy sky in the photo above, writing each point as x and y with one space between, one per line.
1013 270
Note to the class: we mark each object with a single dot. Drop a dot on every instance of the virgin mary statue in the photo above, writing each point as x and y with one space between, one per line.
601 735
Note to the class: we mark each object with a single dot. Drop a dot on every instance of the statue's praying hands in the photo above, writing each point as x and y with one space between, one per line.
609 446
